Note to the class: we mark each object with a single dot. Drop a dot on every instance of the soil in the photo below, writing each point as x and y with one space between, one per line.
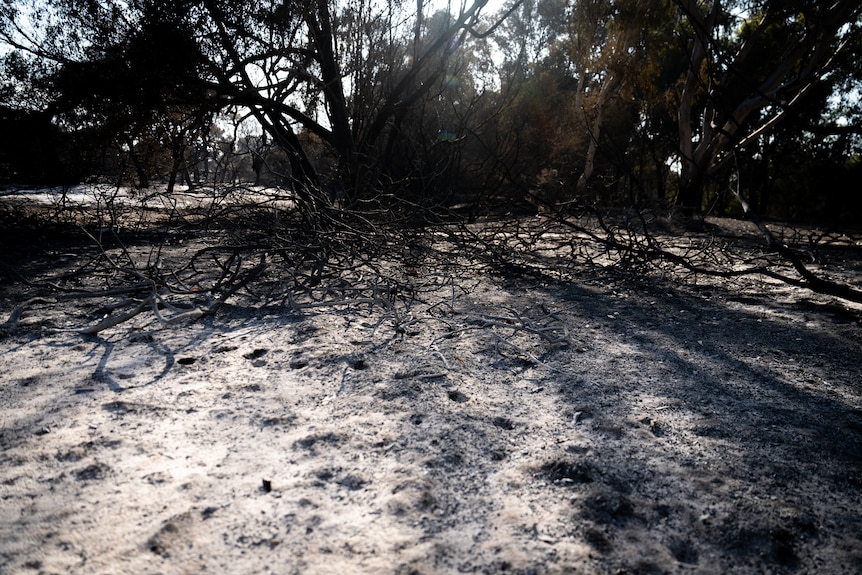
487 423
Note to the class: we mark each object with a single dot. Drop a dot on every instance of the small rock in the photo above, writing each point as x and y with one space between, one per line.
260 352
503 423
457 396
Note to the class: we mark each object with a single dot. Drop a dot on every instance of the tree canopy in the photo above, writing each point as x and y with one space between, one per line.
561 100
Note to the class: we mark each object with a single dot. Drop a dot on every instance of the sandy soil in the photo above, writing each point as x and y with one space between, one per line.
485 424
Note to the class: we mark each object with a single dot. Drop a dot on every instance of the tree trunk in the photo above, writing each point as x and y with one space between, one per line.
690 194
140 168
172 179
611 83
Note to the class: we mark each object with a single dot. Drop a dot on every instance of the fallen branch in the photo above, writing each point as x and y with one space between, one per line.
519 324
650 251
109 322
809 279
498 339
181 315
19 309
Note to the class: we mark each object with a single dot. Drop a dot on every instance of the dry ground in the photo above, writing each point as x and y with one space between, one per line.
485 424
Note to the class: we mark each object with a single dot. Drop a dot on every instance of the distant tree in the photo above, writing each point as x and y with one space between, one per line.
528 138
120 83
752 66
587 90
346 72
31 149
